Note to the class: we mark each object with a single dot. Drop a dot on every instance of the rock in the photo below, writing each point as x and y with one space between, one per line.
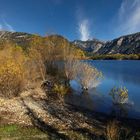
89 45
128 44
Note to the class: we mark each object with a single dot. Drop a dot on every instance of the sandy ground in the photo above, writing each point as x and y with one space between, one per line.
34 108
54 116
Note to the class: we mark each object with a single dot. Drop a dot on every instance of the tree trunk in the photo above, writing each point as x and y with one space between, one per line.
67 83
85 89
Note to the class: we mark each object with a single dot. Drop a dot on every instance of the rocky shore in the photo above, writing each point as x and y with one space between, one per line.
53 115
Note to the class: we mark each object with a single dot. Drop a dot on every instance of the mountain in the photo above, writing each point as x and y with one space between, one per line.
15 36
23 39
89 45
20 38
129 44
26 41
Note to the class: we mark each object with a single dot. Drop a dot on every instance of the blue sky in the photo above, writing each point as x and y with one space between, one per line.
74 19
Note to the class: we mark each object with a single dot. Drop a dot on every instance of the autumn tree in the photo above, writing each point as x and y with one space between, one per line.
52 55
87 75
84 73
12 71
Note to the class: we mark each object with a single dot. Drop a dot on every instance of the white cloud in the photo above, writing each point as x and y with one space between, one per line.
84 29
6 26
84 23
129 17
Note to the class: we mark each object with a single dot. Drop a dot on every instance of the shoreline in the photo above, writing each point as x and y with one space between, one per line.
114 57
34 109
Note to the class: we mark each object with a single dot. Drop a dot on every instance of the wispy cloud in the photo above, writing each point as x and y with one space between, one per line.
129 17
84 23
84 29
6 26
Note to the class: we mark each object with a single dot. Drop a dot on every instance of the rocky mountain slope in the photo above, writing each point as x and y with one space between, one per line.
14 36
19 38
89 45
129 44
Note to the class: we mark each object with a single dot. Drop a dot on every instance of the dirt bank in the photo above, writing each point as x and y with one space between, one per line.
34 108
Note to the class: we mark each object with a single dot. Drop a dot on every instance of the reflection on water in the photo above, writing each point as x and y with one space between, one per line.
116 73
120 110
122 71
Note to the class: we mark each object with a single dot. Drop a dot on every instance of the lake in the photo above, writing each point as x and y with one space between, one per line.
124 73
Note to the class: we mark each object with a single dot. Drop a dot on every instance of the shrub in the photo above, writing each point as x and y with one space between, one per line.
10 79
112 130
12 72
60 89
87 75
117 56
70 69
38 56
119 95
84 73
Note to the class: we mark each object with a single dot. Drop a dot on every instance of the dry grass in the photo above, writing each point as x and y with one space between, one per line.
112 130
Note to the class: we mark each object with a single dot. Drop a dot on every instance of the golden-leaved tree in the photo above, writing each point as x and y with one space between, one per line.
48 52
44 56
12 70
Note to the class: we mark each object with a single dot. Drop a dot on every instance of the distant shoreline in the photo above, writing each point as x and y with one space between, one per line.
115 57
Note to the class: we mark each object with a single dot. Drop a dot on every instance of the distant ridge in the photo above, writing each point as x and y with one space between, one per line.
127 44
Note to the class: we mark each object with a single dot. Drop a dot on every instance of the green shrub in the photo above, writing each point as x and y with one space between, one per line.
60 89
119 95
116 57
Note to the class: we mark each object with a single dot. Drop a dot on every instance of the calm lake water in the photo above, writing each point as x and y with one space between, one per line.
115 73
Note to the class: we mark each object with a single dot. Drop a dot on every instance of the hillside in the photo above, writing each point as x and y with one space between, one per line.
129 44
89 45
26 40
20 38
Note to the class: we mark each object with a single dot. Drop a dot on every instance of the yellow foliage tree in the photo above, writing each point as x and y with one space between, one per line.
12 71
